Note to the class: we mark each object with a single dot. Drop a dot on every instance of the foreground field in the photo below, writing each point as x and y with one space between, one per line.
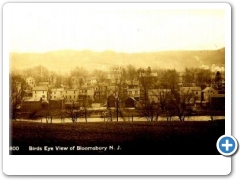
130 138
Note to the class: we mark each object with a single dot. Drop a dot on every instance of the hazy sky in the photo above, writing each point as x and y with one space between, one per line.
122 28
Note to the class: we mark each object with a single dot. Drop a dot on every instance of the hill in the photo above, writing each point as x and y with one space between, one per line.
66 60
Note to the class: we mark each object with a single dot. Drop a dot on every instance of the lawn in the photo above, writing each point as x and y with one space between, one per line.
124 138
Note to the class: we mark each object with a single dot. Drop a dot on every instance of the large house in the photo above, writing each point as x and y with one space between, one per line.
40 93
71 95
155 95
208 92
30 81
86 92
194 92
133 91
57 94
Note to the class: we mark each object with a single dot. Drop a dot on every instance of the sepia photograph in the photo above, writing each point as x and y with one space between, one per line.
118 79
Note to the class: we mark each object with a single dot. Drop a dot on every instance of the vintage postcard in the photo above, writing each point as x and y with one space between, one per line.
118 79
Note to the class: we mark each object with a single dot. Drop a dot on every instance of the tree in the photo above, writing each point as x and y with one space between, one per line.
182 101
169 80
72 111
189 76
15 93
84 108
149 110
203 77
131 73
218 80
177 102
80 73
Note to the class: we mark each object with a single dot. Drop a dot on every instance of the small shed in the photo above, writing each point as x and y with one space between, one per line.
111 101
130 102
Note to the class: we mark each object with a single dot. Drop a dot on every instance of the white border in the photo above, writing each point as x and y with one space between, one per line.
117 165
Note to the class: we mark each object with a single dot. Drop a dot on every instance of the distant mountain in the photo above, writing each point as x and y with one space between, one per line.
66 60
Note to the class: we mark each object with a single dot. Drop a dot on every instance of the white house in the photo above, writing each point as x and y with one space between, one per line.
86 92
40 93
71 95
133 91
57 93
30 82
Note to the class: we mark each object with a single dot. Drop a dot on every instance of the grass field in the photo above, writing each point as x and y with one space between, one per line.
127 138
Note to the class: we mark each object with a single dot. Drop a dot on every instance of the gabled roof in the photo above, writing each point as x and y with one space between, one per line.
131 98
194 88
40 88
209 89
57 89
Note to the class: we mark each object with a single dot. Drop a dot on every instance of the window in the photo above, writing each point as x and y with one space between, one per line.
35 92
55 92
74 92
43 92
70 97
130 92
196 92
43 96
74 97
136 92
54 97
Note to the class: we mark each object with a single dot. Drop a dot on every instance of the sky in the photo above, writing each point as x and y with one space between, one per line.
121 28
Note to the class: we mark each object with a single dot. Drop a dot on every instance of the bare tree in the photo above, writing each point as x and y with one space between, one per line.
72 111
149 110
84 109
189 76
15 94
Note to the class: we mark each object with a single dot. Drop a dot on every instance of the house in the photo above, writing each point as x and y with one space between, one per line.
133 91
144 74
30 81
40 93
208 92
92 80
130 102
71 95
111 101
43 83
195 93
30 105
100 92
57 94
86 92
155 95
